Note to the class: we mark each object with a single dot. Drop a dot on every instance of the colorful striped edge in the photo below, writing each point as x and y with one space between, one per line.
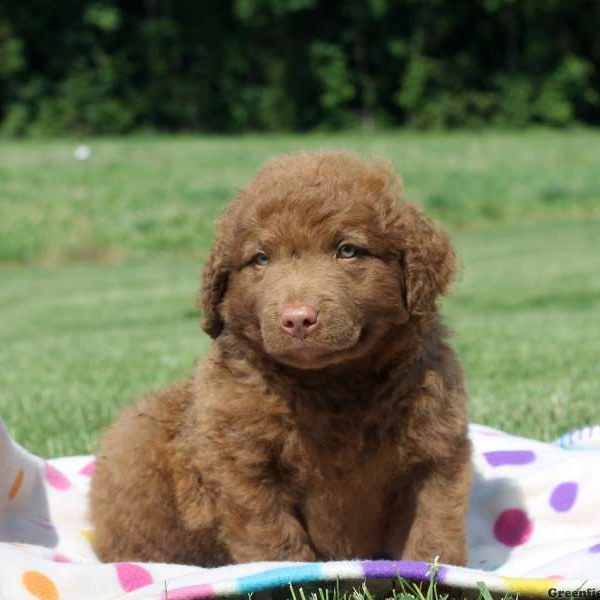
371 570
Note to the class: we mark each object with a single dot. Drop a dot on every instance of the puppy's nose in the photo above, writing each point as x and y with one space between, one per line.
299 320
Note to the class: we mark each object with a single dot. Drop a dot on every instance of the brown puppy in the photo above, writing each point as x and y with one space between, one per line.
328 420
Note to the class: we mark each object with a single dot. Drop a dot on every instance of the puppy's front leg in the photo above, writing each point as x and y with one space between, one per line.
258 522
430 520
240 497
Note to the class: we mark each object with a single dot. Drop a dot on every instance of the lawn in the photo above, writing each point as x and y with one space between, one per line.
101 260
147 196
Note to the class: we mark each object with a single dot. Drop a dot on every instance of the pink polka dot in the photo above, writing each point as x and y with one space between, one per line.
61 558
132 577
55 478
204 590
88 469
513 527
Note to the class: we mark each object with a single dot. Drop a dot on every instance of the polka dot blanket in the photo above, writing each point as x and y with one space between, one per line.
533 525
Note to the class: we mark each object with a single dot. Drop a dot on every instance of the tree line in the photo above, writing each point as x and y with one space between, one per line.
105 66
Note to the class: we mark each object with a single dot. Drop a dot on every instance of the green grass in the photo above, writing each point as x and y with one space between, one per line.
527 321
100 261
79 341
146 196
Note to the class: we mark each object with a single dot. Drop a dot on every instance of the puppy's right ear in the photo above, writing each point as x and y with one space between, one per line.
215 275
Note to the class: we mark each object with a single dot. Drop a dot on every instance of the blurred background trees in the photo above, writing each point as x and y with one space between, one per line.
105 67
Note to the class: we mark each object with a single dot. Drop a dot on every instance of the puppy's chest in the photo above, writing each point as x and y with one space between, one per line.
346 482
336 441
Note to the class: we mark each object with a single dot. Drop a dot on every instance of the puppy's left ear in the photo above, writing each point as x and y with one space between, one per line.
428 257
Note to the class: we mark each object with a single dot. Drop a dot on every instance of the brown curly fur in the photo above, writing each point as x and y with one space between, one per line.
350 443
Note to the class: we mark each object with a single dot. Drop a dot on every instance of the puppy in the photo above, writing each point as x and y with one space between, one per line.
328 420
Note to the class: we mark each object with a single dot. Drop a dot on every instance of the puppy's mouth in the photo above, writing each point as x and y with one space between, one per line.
309 354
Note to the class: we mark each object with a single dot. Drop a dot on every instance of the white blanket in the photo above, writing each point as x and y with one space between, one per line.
533 523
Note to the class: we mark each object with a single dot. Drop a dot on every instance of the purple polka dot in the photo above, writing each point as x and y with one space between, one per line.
43 523
595 548
563 496
509 457
513 527
407 569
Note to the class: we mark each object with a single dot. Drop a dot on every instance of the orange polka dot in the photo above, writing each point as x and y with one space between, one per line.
39 585
16 484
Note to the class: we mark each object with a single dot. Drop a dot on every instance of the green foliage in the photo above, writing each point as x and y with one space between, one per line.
249 9
265 65
84 101
566 88
334 79
11 52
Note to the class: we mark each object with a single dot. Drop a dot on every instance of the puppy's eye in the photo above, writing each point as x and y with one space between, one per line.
260 259
347 251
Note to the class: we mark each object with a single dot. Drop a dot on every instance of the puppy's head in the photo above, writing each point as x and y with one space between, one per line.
317 260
